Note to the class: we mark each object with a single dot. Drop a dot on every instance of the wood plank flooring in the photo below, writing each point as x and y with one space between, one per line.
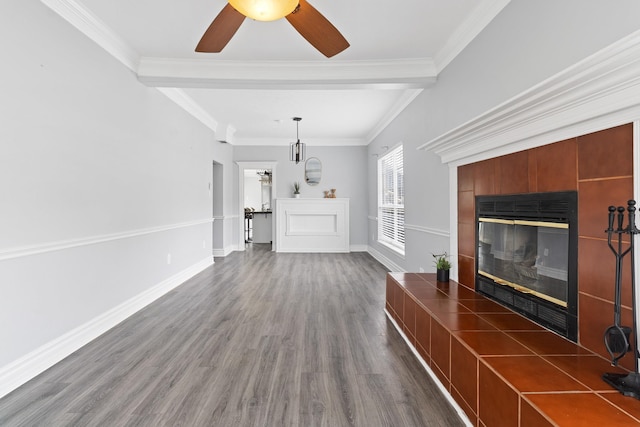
258 339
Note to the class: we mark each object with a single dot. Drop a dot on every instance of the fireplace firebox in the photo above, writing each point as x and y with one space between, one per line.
526 259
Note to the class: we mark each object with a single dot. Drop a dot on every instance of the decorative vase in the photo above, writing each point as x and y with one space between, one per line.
442 275
296 195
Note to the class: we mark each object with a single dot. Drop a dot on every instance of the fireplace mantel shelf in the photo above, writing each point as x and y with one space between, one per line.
499 367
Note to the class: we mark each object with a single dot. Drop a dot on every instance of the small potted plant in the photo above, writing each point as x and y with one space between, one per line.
442 267
296 190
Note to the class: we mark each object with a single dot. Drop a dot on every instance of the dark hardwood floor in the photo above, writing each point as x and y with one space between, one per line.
258 339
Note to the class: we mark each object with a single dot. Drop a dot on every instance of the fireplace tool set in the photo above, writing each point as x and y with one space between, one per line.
617 336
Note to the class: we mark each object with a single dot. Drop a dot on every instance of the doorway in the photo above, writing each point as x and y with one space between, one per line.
216 188
257 205
256 194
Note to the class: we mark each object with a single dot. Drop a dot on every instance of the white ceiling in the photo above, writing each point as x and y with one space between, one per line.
268 73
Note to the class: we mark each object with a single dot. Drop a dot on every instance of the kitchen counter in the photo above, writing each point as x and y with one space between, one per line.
262 227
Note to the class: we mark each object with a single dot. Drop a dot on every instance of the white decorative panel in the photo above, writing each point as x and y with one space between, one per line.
312 225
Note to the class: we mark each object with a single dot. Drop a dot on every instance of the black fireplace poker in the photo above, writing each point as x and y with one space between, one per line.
617 337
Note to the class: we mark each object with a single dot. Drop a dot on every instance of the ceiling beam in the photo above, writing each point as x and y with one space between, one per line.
217 74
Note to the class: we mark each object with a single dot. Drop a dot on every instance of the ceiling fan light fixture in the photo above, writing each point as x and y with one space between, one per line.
264 10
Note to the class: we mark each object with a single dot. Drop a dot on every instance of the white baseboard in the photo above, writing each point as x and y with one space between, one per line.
392 266
27 367
223 252
359 248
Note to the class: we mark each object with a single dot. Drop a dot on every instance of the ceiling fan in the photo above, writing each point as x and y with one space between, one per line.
310 23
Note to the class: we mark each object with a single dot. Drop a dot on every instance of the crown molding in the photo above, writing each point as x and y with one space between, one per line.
91 26
407 97
190 106
211 73
225 133
153 72
603 90
311 142
468 30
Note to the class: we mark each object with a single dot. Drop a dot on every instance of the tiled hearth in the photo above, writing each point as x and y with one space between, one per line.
501 368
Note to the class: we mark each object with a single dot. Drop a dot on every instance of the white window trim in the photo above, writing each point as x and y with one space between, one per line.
395 242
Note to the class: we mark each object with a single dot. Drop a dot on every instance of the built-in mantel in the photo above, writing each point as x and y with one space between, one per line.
312 225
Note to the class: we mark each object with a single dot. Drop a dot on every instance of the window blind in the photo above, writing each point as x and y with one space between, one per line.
391 199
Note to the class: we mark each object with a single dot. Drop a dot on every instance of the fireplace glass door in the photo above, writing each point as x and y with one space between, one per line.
529 256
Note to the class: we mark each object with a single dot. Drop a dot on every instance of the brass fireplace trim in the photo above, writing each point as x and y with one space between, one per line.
524 222
523 289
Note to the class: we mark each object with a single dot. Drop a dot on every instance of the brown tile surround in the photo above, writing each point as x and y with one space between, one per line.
502 369
599 166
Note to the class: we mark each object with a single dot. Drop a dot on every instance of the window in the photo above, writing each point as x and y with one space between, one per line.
391 199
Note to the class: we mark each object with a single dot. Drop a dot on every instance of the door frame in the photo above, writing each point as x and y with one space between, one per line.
255 165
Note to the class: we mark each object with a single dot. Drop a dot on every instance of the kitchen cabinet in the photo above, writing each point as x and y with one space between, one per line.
262 228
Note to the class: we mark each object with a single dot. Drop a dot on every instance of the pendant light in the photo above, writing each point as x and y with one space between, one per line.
298 148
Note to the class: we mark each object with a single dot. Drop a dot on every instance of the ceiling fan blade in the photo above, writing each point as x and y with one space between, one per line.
221 30
317 30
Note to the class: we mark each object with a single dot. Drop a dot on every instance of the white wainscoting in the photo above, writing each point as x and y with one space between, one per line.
312 225
23 251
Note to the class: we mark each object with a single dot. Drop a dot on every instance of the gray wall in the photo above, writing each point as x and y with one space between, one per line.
343 168
528 42
100 179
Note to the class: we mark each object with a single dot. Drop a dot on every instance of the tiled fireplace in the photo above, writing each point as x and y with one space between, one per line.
527 253
599 168
501 369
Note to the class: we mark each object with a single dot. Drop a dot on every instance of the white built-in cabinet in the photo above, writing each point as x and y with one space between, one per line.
312 225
